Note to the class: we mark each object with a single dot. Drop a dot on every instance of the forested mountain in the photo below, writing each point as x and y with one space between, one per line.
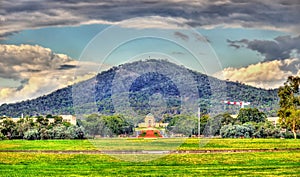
100 93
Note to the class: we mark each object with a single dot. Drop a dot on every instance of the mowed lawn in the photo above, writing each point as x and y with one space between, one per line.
227 164
146 144
278 163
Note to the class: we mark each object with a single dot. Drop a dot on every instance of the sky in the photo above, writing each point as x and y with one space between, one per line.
46 45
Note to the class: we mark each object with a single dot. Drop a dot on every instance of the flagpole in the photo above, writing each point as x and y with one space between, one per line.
199 122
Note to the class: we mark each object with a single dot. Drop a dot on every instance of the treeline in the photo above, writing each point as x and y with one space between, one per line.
106 126
250 123
41 128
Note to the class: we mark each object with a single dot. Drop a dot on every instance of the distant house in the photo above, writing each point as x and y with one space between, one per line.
234 116
69 118
274 120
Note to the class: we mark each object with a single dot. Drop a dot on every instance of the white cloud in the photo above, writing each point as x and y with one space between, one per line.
39 71
270 74
154 22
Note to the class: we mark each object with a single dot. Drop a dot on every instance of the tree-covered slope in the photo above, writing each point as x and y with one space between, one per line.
101 92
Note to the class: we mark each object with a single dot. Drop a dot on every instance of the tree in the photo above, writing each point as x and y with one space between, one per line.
8 127
294 121
93 124
49 116
76 132
215 123
227 119
266 129
289 103
182 124
41 121
207 125
60 132
186 124
32 134
57 120
23 125
117 124
2 137
96 124
251 115
237 131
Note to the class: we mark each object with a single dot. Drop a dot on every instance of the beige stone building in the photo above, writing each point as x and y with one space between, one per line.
149 121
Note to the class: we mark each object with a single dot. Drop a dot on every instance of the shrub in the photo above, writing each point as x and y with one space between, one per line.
2 137
290 135
32 134
251 115
45 134
237 131
60 132
143 134
266 130
78 132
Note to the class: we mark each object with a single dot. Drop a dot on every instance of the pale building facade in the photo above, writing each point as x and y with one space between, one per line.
274 120
149 121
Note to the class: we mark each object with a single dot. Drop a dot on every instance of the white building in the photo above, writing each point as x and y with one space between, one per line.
274 120
69 118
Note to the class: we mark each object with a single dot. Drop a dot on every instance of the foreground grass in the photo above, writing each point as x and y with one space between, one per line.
145 144
235 164
191 144
284 163
46 145
194 144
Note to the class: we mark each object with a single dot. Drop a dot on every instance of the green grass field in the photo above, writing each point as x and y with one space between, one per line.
236 164
143 144
279 163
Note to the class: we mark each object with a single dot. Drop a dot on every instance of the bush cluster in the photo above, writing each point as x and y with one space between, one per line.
250 123
27 128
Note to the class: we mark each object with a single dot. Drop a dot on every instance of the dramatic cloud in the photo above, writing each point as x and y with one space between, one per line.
270 74
38 70
18 60
281 47
18 15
